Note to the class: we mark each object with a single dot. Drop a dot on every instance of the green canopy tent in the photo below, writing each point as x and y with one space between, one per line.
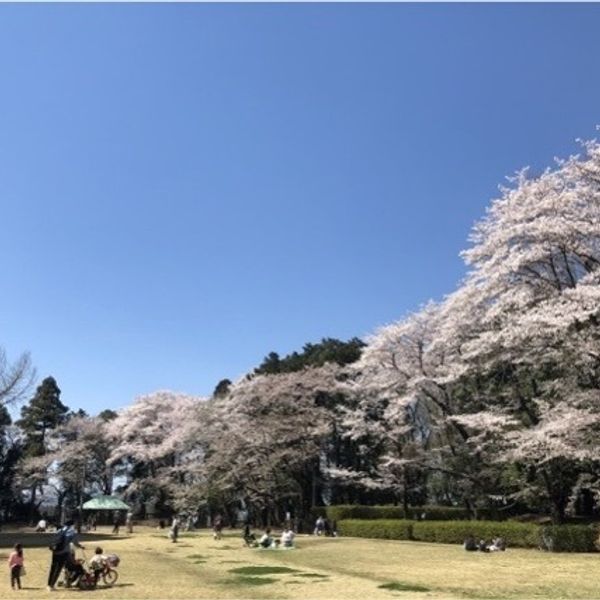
105 503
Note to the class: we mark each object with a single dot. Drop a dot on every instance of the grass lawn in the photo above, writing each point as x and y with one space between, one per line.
320 568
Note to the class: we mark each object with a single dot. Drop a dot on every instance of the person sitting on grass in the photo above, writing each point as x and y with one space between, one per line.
287 538
266 541
498 545
470 544
98 563
483 546
249 537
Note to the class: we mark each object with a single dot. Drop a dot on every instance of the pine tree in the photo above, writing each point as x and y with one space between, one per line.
44 413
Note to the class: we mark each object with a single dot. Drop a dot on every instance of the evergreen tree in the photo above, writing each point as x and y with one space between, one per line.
10 452
44 413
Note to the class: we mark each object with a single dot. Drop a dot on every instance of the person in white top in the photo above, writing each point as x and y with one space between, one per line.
266 540
287 538
42 525
98 563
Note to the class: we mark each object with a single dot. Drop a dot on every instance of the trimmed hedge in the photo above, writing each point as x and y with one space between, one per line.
428 513
387 529
358 511
522 535
568 538
563 538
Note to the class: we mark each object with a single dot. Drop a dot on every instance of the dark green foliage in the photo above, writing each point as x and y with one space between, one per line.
388 529
222 388
10 453
523 535
313 355
337 513
428 513
107 414
556 538
44 412
312 575
569 538
399 586
251 581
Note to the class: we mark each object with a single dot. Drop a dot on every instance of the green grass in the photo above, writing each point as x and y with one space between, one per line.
153 568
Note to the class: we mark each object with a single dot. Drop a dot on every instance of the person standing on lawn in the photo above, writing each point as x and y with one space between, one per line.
16 565
61 547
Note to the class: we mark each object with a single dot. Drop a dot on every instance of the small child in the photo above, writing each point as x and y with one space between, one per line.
98 563
15 564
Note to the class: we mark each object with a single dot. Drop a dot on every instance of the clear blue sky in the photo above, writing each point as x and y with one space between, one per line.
185 188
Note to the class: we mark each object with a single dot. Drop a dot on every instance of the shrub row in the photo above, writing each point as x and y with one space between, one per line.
428 513
568 538
563 538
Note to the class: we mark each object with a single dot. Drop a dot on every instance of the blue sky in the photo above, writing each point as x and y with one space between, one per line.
185 188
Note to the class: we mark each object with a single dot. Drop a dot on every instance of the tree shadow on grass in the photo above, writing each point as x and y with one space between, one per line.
25 587
242 580
262 570
400 586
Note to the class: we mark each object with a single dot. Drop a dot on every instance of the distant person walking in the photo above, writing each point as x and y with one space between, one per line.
218 527
129 522
42 526
174 531
16 565
319 526
116 523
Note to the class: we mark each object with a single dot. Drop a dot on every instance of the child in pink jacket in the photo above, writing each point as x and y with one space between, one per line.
15 564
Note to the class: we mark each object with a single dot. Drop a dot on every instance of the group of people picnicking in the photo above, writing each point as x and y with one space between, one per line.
497 545
324 527
268 540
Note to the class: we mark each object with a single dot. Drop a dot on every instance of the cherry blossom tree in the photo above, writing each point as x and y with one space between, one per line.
265 438
151 439
507 367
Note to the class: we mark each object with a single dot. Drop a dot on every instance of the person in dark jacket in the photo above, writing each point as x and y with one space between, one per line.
61 547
